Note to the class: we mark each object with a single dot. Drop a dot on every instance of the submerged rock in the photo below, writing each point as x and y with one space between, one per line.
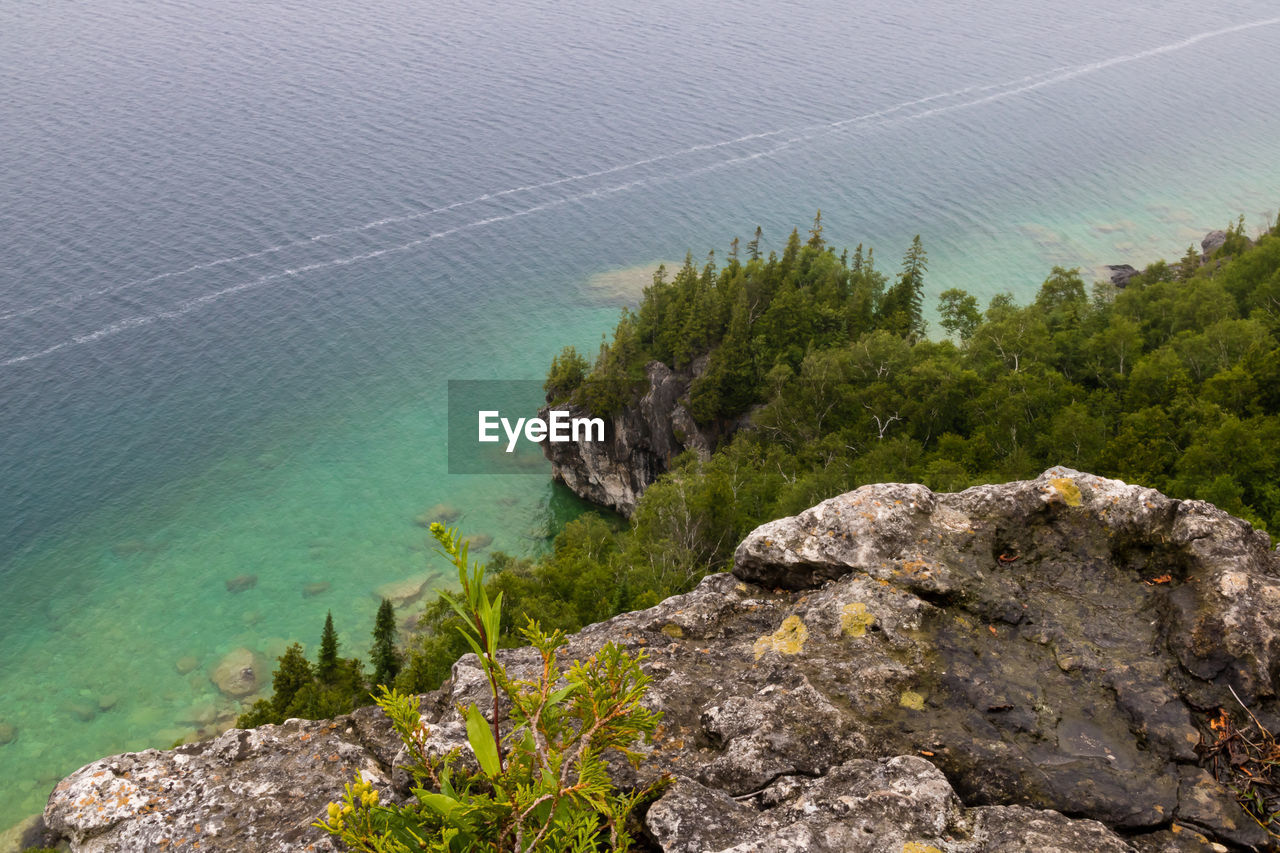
440 513
891 670
240 672
8 732
402 592
186 664
478 541
311 590
240 583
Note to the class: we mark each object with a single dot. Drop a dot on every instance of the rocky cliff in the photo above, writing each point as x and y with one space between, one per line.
1028 666
640 442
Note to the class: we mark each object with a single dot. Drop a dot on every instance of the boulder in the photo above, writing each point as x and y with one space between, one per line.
311 590
1212 242
8 732
240 672
478 541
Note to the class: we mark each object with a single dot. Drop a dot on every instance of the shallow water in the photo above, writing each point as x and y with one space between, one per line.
243 248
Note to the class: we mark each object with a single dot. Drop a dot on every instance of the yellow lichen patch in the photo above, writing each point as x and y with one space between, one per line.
673 631
855 620
916 568
912 700
917 847
1067 490
787 640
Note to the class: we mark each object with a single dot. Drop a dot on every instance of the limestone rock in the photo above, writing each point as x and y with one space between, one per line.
240 672
887 806
253 791
640 442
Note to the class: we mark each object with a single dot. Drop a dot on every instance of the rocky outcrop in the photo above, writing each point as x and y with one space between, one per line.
246 790
640 442
1121 273
1029 666
1212 242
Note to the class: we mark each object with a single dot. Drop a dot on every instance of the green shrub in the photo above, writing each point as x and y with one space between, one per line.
542 786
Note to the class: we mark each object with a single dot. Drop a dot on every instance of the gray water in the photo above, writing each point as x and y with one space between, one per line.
244 245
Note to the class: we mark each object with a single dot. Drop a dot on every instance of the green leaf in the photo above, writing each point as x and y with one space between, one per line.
561 694
439 803
466 635
480 737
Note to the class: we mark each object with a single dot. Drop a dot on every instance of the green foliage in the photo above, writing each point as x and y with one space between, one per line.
386 659
327 662
298 690
568 369
959 313
541 786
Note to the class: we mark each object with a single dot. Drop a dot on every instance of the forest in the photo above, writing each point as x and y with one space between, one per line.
1172 382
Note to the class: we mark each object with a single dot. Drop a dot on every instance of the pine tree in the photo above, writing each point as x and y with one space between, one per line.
753 248
386 660
327 662
291 676
901 309
1189 264
815 233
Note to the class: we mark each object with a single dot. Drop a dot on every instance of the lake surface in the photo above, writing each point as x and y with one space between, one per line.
244 246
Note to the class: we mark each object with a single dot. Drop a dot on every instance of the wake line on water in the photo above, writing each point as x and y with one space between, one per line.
193 304
75 299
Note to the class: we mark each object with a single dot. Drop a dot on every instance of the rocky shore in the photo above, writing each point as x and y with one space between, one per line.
1028 666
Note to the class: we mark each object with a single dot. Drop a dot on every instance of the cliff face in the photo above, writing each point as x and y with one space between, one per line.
1029 666
640 442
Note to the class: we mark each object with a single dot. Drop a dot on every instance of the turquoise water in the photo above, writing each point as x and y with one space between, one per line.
244 248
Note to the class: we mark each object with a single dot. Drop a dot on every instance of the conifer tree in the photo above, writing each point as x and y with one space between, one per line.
386 660
815 233
293 674
902 307
327 662
1189 264
753 248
